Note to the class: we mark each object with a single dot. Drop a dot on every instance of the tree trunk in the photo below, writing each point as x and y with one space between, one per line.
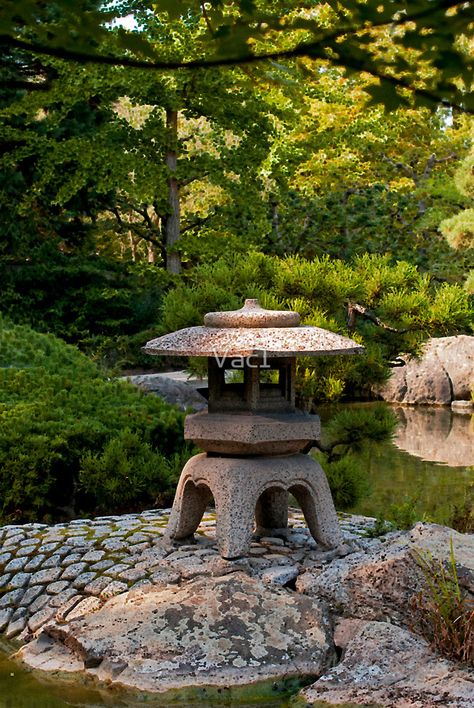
171 222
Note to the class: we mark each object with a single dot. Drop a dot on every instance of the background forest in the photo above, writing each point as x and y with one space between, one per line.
133 200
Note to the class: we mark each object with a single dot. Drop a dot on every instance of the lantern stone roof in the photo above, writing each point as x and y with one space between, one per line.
252 331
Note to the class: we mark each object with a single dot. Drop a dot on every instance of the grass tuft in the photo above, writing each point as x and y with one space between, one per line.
442 612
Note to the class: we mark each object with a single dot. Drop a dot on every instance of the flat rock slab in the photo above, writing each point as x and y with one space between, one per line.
215 631
385 665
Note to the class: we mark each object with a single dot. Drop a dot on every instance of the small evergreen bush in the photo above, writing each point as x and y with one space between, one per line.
350 431
72 441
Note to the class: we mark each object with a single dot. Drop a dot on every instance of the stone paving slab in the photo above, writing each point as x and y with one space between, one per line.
48 570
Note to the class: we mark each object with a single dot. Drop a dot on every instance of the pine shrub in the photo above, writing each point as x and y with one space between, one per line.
411 305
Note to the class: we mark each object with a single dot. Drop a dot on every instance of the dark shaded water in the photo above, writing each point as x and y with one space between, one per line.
430 465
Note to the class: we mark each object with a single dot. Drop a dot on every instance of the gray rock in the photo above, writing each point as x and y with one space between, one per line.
280 575
4 580
48 548
83 579
102 565
63 597
5 616
96 586
73 570
20 580
113 588
53 561
83 607
40 618
45 576
31 594
379 584
12 598
113 544
39 602
259 563
116 569
26 549
4 558
15 564
13 540
388 666
444 373
15 627
35 562
175 391
57 587
71 559
132 574
164 576
216 631
93 556
19 612
272 541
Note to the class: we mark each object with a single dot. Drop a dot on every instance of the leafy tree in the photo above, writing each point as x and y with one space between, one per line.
344 178
459 229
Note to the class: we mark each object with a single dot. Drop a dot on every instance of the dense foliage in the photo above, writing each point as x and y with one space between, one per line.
459 229
389 308
74 442
107 307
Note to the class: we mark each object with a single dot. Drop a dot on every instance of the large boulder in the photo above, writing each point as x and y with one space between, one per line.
444 373
389 666
214 631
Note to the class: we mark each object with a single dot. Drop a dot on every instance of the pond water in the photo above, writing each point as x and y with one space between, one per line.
430 466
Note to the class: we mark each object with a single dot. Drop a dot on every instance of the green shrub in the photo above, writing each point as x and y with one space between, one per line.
64 428
350 431
128 470
348 481
405 514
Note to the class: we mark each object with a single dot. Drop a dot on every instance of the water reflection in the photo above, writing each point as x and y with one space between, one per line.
436 435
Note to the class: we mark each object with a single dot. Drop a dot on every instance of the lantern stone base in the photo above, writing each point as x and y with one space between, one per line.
249 489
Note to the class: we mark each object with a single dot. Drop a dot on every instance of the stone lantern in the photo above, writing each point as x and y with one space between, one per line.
254 438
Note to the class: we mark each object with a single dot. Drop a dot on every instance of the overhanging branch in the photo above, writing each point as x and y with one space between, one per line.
316 49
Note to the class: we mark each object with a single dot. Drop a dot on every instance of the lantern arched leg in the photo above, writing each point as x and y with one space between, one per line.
314 497
189 505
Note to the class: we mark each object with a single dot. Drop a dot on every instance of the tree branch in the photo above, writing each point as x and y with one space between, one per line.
354 310
401 166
